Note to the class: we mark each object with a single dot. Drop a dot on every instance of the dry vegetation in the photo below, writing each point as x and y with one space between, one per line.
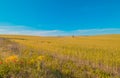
60 57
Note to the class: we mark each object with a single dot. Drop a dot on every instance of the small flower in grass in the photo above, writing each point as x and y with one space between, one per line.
1 62
32 61
40 58
13 58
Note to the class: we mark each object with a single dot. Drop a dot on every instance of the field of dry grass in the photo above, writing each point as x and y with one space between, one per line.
60 57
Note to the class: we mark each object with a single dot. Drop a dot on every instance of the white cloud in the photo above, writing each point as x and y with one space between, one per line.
25 30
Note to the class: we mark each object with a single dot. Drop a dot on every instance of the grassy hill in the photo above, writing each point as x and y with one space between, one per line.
60 57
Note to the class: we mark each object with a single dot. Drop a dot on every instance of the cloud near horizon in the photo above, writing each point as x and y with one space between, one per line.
24 30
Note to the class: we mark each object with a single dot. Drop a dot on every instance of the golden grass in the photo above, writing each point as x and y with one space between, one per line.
101 52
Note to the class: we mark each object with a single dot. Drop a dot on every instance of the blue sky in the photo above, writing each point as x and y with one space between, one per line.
59 17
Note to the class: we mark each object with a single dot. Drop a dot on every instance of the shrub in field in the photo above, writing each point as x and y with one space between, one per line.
13 58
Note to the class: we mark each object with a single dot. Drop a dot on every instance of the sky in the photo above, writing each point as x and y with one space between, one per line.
59 17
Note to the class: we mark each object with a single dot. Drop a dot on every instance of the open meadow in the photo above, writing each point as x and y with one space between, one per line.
60 57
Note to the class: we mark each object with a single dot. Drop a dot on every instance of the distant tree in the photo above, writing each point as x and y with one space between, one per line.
73 36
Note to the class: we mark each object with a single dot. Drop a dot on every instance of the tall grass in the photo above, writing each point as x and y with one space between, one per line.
60 57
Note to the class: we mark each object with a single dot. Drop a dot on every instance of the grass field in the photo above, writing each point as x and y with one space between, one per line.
60 57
